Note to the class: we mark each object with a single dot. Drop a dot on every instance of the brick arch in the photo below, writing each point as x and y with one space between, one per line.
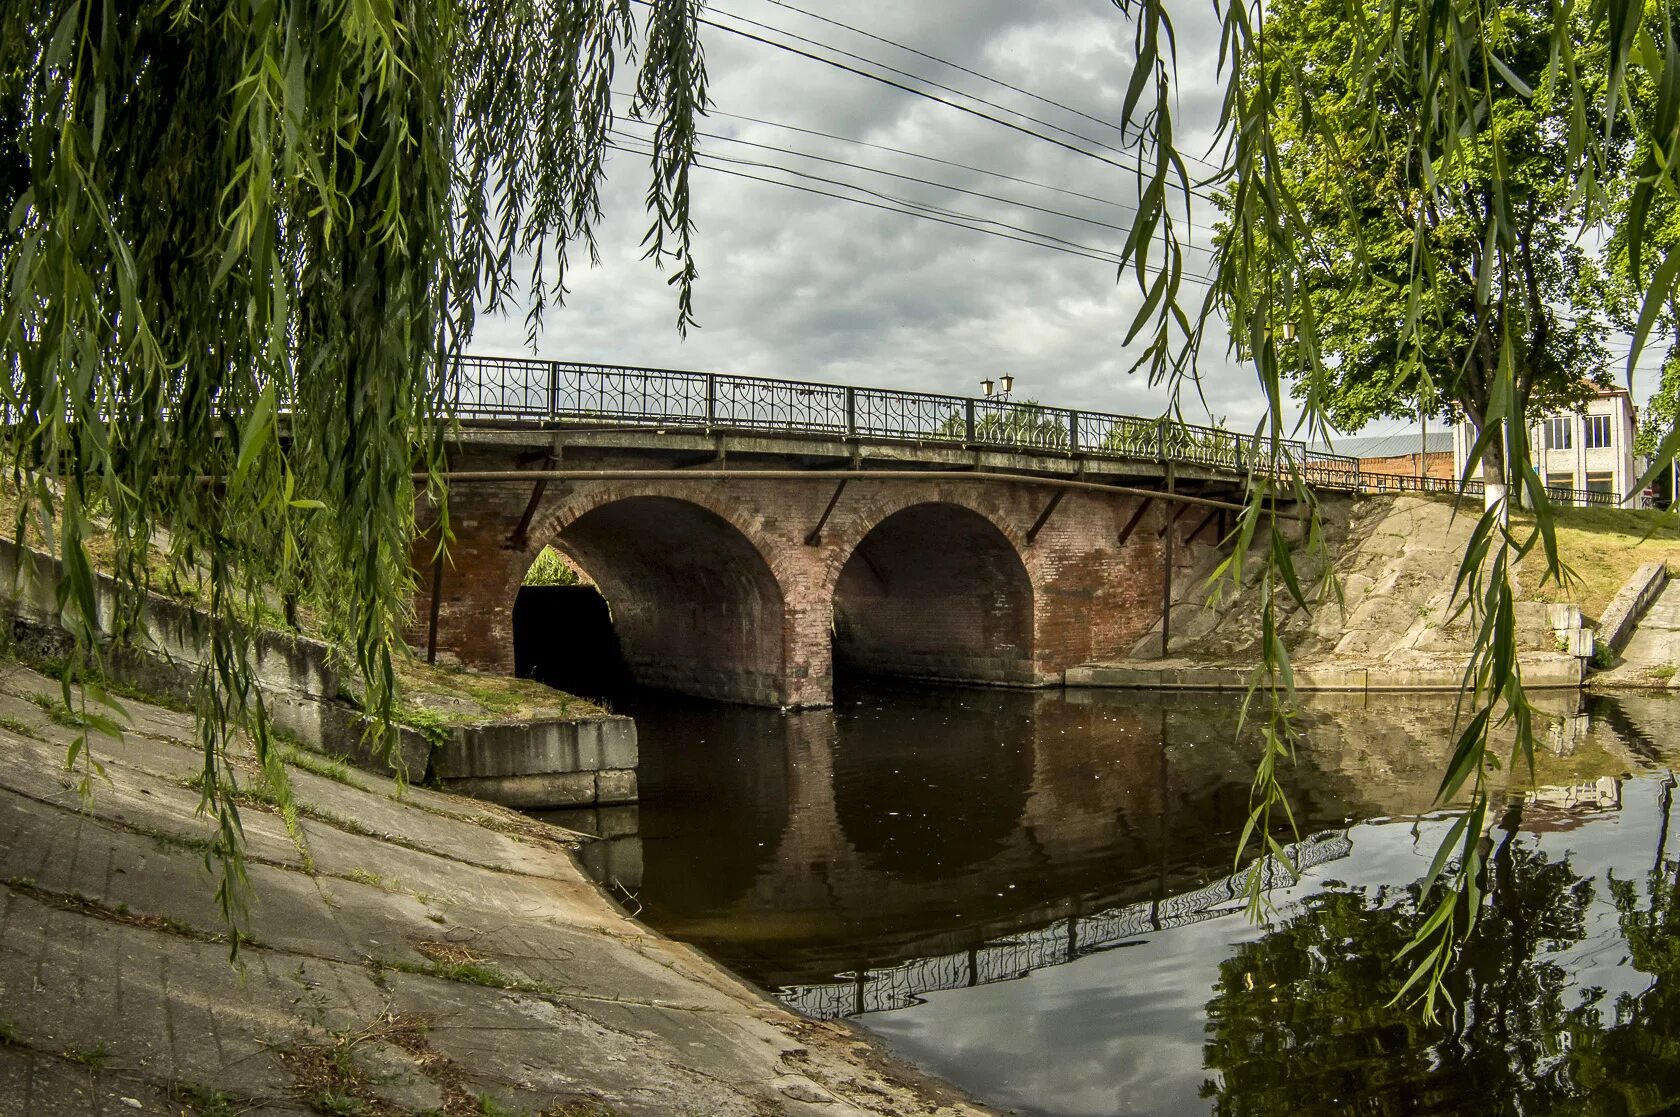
865 508
695 603
935 589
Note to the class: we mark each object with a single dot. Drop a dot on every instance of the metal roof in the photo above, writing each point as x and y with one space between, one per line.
1392 446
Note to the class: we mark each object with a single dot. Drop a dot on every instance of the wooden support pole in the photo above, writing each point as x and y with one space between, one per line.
1206 520
518 537
437 602
814 536
1137 518
1167 564
1044 516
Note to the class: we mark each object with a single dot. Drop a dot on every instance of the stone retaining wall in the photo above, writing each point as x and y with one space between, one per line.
590 761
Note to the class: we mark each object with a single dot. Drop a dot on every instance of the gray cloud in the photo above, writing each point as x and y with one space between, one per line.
792 284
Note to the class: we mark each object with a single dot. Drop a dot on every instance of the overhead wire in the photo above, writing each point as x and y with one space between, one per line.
891 69
923 156
1003 230
963 69
1192 190
863 167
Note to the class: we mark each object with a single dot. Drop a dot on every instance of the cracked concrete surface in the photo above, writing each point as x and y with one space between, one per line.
410 952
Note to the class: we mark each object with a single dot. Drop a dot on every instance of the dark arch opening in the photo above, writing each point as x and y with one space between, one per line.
935 591
691 604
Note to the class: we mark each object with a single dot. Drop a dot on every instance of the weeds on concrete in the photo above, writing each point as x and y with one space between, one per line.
333 768
330 1079
94 1058
9 1034
20 727
362 876
120 913
203 1101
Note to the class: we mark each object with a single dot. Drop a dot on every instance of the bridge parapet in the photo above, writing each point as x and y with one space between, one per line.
528 390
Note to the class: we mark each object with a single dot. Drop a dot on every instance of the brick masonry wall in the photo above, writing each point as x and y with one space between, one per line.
714 590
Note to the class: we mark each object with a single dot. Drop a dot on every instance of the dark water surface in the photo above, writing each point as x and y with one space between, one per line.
1032 895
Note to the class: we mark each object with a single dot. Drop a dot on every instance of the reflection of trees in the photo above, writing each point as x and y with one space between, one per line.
1625 1057
1300 1021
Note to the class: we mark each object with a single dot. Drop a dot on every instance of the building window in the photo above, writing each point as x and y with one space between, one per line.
1596 431
1559 432
1560 484
1601 482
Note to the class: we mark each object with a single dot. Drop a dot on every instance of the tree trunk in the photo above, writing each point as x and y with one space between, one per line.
1493 471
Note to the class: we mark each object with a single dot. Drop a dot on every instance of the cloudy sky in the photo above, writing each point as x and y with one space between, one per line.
798 285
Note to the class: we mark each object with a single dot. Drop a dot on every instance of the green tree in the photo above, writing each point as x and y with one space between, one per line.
1391 348
1303 1020
243 241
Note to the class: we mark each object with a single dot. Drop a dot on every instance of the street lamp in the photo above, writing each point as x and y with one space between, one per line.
1004 385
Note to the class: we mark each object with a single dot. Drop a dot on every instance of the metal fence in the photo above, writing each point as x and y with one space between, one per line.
1015 956
525 390
514 389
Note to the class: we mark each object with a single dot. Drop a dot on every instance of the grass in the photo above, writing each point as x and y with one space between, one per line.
204 1101
334 768
454 962
1664 671
1603 546
20 727
362 876
451 696
94 1058
9 1034
551 569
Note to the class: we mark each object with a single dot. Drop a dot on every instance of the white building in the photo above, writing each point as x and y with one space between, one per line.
1577 453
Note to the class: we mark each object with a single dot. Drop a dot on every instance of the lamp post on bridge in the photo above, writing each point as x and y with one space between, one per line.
1000 389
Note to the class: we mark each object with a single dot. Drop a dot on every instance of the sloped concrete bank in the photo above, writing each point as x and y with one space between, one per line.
1395 559
410 952
582 761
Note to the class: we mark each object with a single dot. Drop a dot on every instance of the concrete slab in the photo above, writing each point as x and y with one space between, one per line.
417 950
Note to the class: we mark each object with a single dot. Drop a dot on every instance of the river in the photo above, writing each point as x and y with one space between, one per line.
1033 895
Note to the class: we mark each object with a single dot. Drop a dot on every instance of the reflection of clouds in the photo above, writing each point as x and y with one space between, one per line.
1123 1031
801 286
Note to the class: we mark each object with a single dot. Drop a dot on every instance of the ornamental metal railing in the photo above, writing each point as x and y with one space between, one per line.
1015 956
524 390
516 389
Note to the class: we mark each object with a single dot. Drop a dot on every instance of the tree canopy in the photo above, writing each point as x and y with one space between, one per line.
242 240
1372 200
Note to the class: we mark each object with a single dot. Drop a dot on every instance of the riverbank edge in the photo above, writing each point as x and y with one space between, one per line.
584 760
1541 673
401 919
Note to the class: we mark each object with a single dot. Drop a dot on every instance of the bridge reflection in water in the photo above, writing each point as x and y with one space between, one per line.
916 838
1065 940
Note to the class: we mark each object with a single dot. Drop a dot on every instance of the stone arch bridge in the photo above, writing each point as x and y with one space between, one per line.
747 532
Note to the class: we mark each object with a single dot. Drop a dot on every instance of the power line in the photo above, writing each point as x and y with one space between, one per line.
842 52
893 198
927 158
1138 168
929 182
955 66
1084 251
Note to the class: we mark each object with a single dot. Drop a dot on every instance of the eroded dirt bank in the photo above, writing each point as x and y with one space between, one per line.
411 953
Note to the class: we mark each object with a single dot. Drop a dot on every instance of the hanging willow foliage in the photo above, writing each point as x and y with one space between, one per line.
1606 87
241 241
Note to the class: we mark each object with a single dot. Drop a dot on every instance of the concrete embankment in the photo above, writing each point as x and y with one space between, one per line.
540 758
1392 626
410 952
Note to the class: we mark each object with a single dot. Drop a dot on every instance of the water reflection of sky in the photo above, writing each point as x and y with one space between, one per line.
1123 1031
801 850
